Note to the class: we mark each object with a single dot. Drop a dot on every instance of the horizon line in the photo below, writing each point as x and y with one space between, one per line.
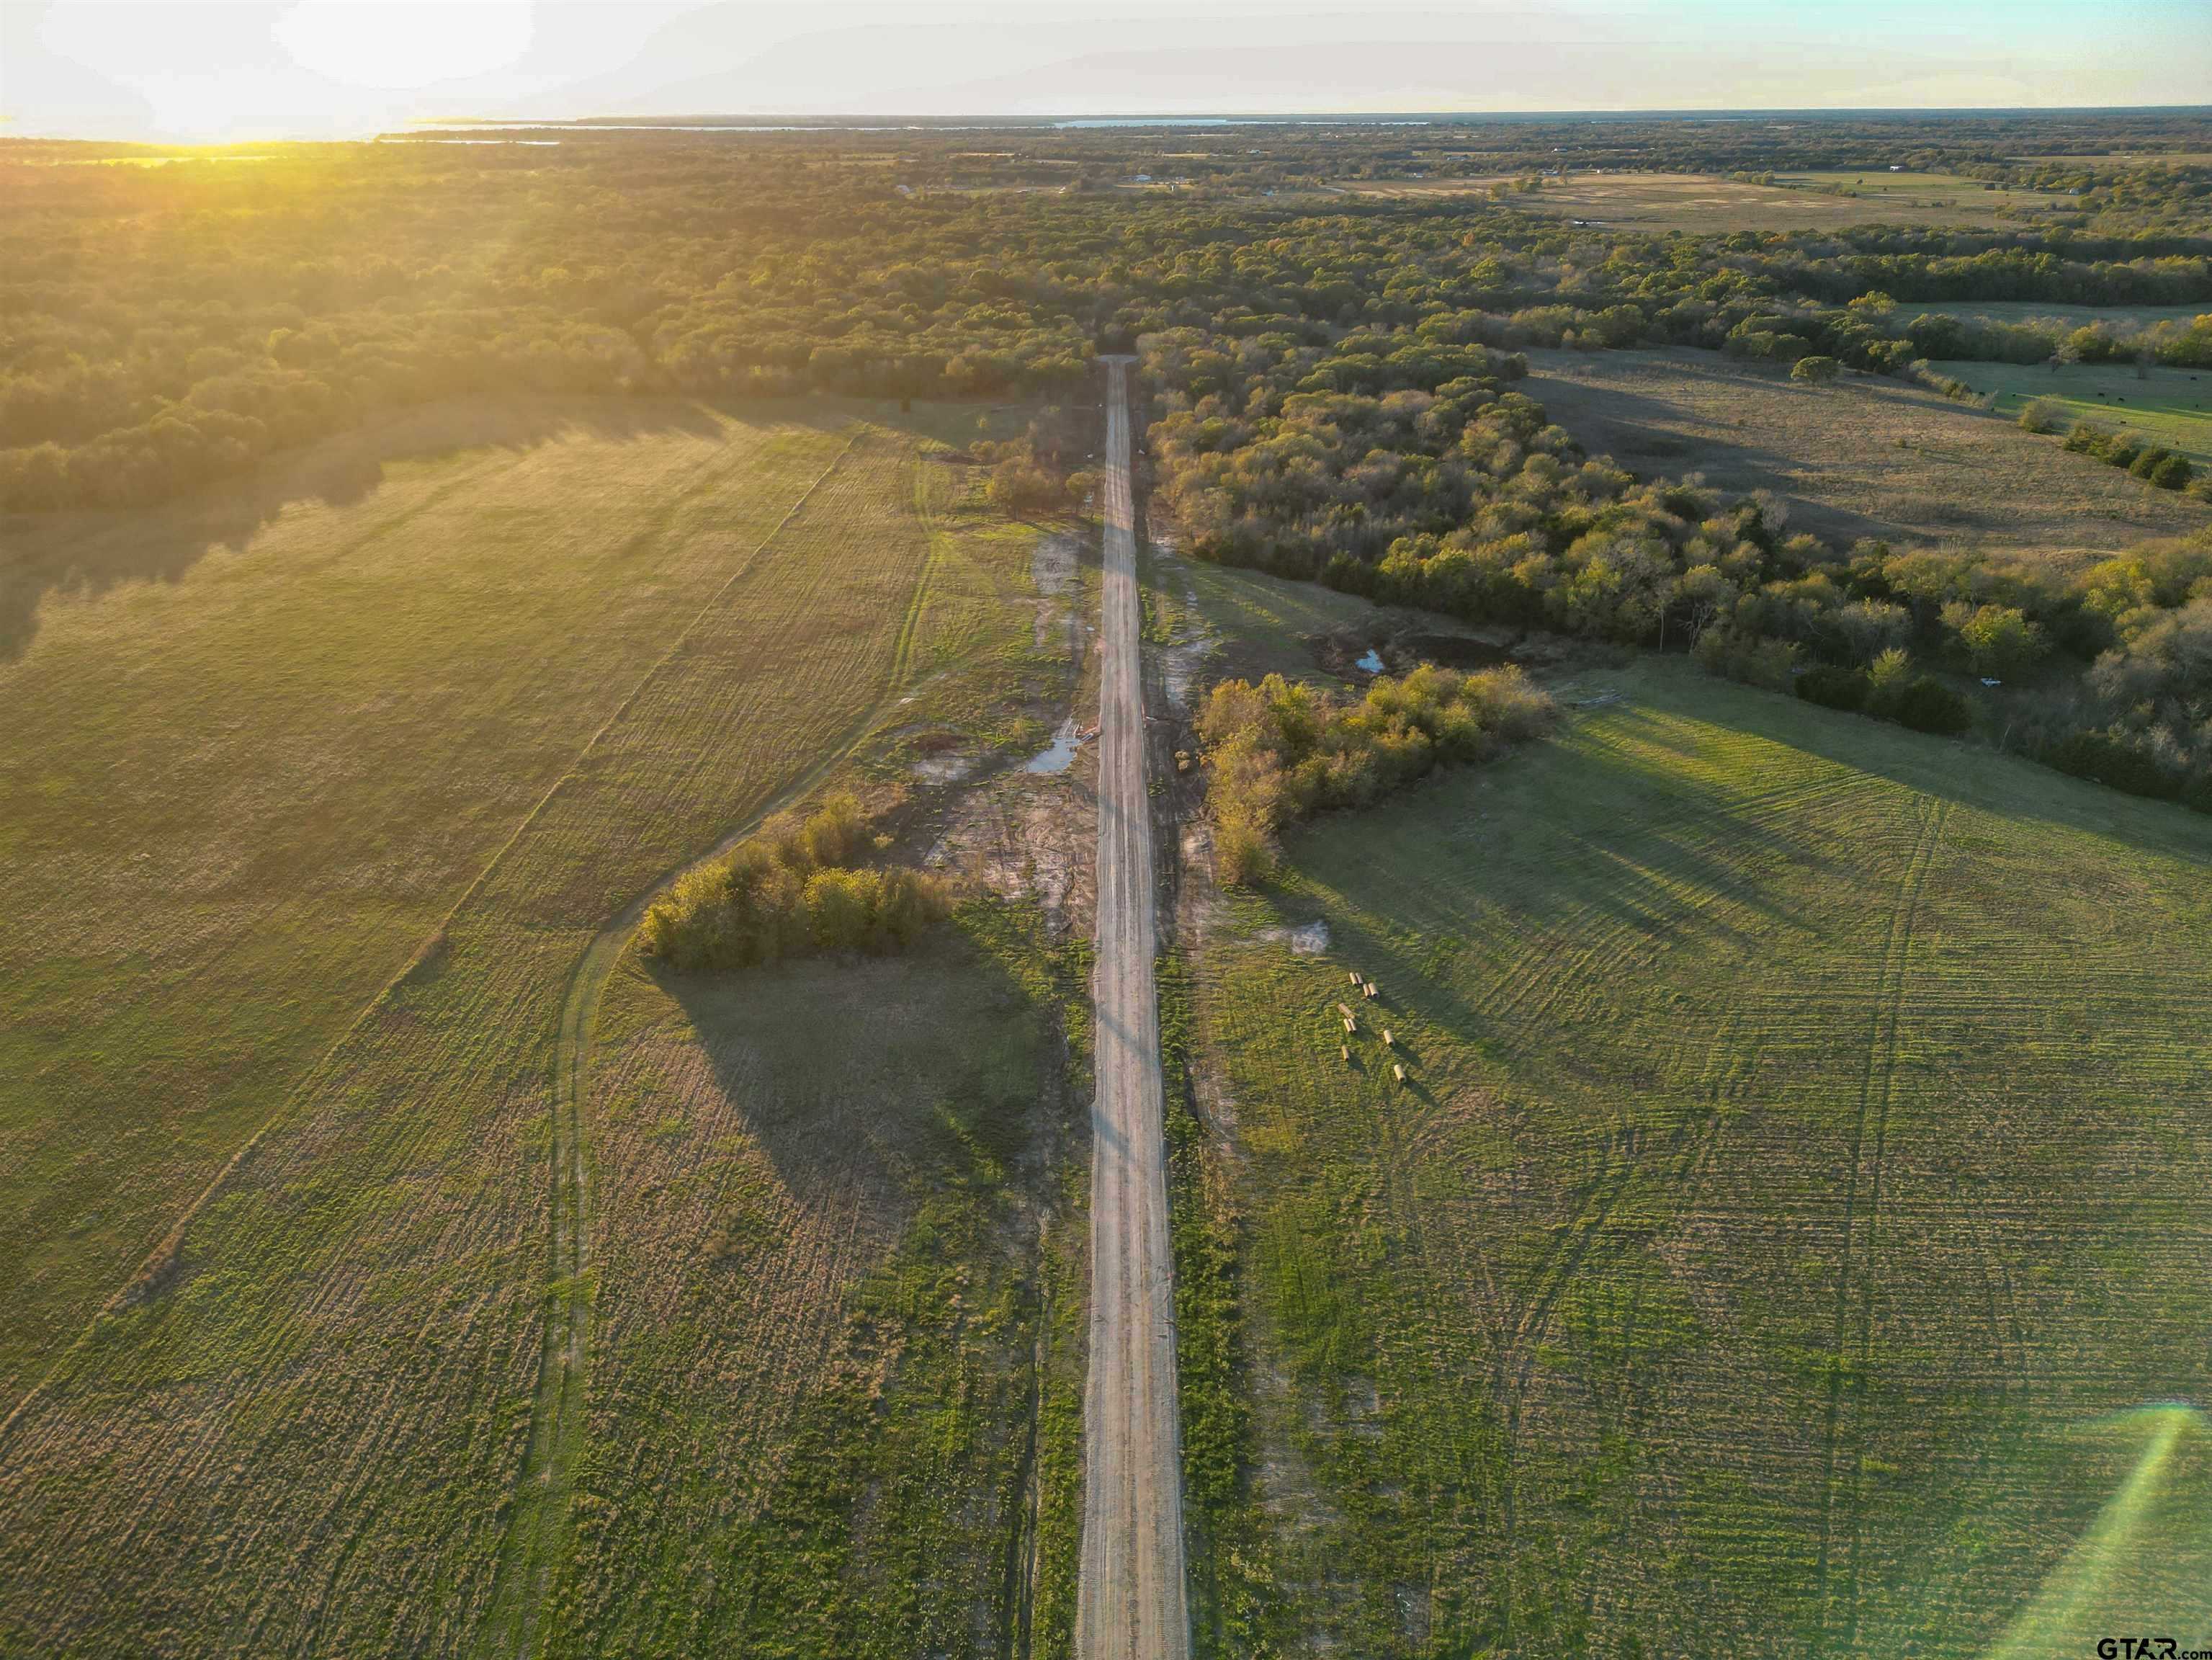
760 120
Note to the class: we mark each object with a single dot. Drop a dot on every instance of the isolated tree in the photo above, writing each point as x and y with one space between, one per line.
1815 371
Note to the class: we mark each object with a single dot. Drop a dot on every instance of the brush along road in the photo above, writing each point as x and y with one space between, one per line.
1129 1602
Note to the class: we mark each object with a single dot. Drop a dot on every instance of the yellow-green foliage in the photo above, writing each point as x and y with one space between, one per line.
796 888
1278 751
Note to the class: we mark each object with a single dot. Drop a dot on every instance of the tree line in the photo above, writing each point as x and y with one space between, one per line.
163 326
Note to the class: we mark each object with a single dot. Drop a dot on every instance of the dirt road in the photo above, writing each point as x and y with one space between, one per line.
1130 1603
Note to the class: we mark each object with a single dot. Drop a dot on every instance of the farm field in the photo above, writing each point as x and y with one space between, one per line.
2173 406
2021 310
338 1364
830 1307
262 741
1952 195
1797 1110
1862 456
1650 201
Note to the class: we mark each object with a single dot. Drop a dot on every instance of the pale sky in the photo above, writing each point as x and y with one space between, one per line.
236 70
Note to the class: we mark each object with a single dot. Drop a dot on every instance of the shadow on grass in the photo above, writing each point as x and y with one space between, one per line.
907 1073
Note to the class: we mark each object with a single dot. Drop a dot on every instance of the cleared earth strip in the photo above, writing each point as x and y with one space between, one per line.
535 1542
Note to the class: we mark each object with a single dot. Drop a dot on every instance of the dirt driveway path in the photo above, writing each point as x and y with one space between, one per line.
1130 1601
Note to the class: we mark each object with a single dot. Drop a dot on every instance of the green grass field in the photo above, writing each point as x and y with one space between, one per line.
1790 1237
350 855
2022 311
1264 624
829 1309
1943 192
2173 406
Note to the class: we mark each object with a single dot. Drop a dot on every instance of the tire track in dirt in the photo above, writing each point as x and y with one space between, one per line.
1876 1091
534 1548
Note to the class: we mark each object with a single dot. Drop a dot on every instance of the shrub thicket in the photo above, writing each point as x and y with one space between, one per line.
798 889
2106 759
1278 751
2151 462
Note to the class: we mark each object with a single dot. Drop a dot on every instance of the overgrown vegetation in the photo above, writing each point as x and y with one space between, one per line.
1279 751
798 887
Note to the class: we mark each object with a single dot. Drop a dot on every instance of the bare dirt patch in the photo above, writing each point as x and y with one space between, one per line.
1024 836
1053 573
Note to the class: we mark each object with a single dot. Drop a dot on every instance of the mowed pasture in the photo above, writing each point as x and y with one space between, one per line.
1952 196
399 762
1861 457
2173 406
258 743
831 1311
1788 1239
1660 202
2073 317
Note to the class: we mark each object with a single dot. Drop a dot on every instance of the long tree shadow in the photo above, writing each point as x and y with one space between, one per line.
892 1072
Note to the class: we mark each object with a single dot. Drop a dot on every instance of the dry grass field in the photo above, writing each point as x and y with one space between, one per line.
1862 456
1788 1240
1658 202
345 861
1891 197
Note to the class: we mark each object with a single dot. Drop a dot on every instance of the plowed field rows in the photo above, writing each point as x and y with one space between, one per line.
1794 1218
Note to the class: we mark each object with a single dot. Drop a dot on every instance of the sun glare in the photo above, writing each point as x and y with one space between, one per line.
404 46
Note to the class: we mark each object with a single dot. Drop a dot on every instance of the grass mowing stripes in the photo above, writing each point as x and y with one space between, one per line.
1797 1162
336 1374
255 755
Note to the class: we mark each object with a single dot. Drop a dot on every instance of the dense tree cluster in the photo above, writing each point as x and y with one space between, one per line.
800 888
162 326
1278 752
1392 464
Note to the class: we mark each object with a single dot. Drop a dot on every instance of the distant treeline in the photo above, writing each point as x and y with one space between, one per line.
800 888
162 326
1278 752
